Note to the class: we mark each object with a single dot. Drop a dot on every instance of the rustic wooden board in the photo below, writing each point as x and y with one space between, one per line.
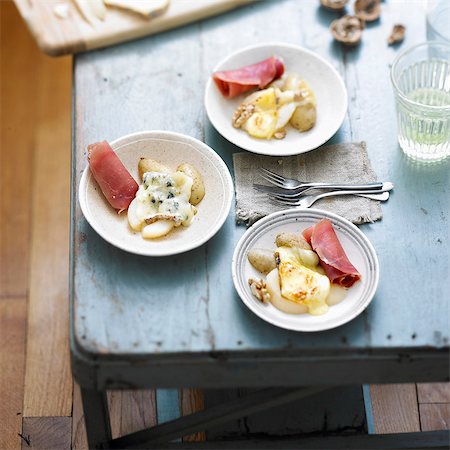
57 36
46 433
79 438
433 392
434 416
131 411
13 323
192 400
48 381
394 408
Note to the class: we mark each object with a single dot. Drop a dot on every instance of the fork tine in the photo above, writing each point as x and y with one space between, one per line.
271 180
273 174
278 202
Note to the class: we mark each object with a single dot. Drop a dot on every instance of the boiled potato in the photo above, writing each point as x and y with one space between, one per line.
292 240
150 165
304 117
198 188
262 260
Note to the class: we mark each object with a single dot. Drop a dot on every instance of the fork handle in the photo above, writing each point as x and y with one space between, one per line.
373 194
352 187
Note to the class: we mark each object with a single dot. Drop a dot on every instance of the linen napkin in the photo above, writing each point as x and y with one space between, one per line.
339 163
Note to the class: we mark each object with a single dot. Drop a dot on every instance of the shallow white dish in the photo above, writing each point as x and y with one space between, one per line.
323 78
356 245
171 149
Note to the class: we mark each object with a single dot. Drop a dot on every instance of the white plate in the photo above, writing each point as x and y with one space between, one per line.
324 80
357 247
171 149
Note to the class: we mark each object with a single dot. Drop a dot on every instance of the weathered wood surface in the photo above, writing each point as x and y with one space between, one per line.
48 381
46 433
399 401
16 167
433 392
435 416
124 304
13 316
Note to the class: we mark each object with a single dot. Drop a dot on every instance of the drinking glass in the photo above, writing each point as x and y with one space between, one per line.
421 81
438 20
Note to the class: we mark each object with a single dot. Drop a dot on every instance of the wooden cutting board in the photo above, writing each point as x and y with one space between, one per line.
56 36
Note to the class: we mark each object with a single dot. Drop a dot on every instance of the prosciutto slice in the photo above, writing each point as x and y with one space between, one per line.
116 183
232 83
325 243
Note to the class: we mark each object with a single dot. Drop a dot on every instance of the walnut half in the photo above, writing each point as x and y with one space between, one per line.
242 114
348 29
397 34
259 290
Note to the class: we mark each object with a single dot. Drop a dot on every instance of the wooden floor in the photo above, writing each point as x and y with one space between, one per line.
40 407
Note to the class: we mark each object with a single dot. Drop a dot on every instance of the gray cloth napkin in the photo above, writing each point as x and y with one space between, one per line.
339 163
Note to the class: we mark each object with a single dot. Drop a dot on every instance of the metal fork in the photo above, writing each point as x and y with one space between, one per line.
295 194
292 184
309 200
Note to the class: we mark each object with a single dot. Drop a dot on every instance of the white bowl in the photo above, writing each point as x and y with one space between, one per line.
324 80
171 149
356 245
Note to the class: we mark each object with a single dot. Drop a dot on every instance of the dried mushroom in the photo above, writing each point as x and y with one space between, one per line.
347 29
368 10
334 5
397 34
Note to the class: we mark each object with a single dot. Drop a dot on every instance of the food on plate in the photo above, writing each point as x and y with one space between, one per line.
145 8
300 284
232 83
116 183
266 113
368 10
163 200
262 260
397 34
297 281
198 188
347 29
333 259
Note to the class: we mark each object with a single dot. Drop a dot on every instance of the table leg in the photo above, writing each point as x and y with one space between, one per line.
96 417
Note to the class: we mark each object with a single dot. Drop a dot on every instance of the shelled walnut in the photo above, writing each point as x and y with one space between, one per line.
397 34
334 5
368 10
348 29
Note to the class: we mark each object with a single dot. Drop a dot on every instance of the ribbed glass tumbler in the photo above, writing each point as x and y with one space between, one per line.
421 81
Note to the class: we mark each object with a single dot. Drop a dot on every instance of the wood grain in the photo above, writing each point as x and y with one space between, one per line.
12 365
79 438
433 392
18 57
192 400
394 408
131 410
48 383
46 433
434 416
61 36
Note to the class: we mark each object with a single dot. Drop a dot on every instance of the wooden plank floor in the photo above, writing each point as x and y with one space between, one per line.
38 399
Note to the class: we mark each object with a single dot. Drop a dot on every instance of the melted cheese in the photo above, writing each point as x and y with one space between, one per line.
302 285
165 194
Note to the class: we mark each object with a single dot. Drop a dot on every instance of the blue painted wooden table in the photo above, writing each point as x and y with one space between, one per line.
132 326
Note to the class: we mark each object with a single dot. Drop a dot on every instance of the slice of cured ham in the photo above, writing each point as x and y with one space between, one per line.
116 183
333 259
232 83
